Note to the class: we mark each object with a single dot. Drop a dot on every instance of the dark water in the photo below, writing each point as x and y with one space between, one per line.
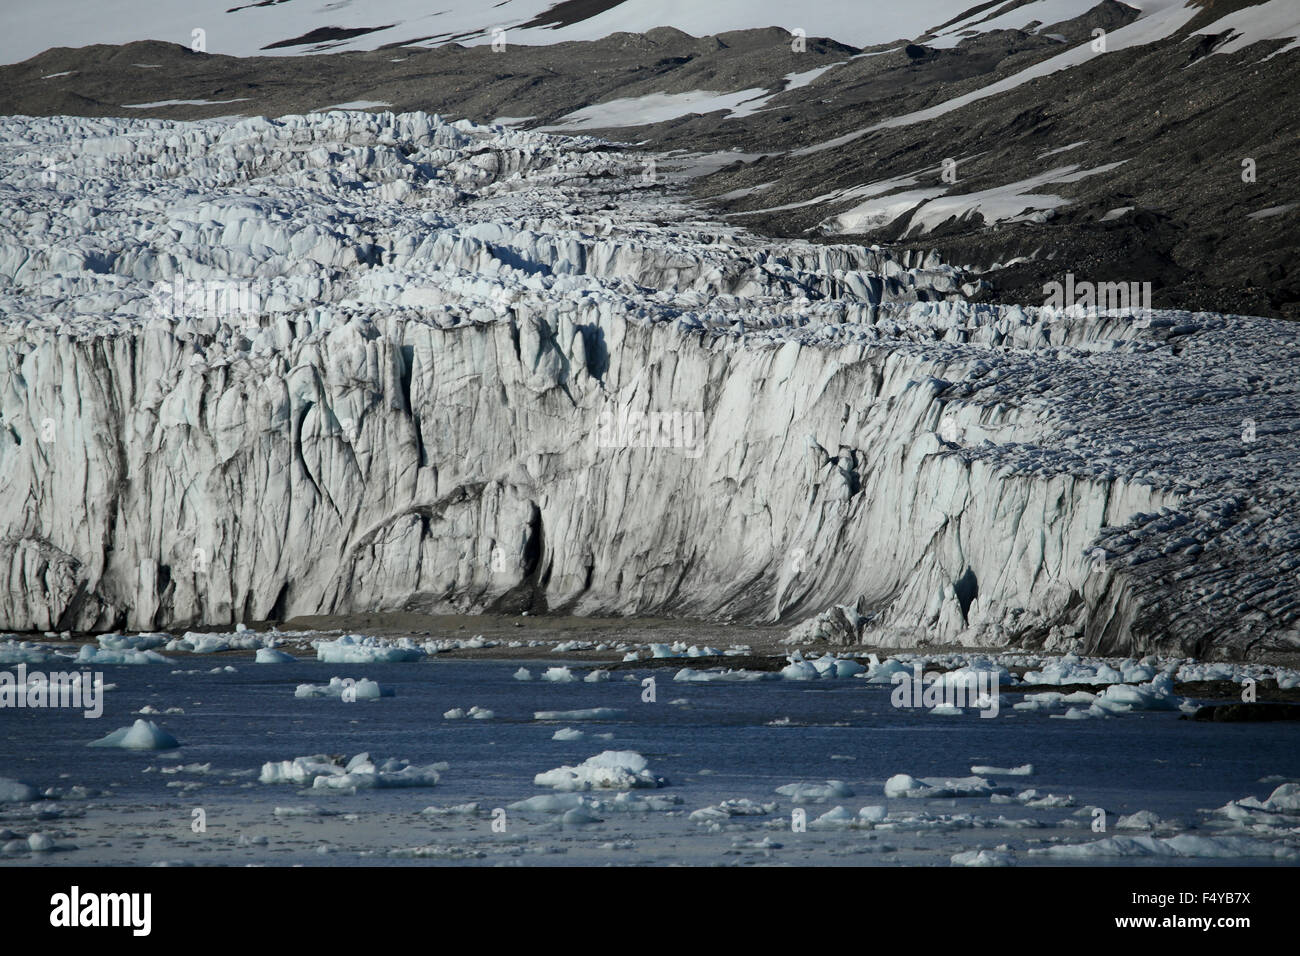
236 722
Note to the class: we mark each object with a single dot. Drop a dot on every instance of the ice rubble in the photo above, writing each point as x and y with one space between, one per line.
607 770
447 342
321 772
356 649
142 735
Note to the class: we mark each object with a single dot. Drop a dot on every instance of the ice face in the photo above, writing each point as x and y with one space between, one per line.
351 362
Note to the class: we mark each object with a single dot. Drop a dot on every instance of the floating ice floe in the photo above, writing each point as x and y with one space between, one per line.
345 688
355 649
1024 770
271 655
134 642
458 810
321 772
1237 672
905 785
567 733
608 770
34 843
690 675
739 807
559 675
431 852
1002 856
816 792
1047 700
882 672
1281 808
1035 800
1115 700
873 814
1126 698
15 791
1072 669
242 640
104 655
679 649
474 643
199 768
626 801
25 652
302 812
474 713
1141 820
142 735
1185 845
589 713
523 674
1074 713
826 666
835 818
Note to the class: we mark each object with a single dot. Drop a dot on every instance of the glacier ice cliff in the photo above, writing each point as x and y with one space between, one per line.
352 362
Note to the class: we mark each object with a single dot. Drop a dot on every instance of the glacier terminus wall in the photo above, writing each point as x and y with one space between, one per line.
348 362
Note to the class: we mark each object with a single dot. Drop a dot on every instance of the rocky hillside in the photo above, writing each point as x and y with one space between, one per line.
1152 143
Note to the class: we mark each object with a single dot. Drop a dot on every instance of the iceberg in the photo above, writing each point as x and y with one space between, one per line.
142 735
607 770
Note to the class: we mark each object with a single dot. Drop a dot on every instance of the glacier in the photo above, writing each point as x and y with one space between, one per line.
344 362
